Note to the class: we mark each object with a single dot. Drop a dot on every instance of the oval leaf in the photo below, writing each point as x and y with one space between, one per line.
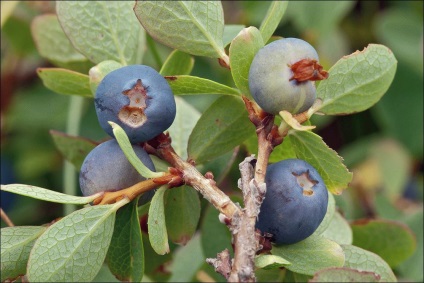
187 261
391 240
16 244
125 145
46 195
98 72
65 81
265 261
364 260
184 122
231 31
182 213
339 230
310 255
344 274
156 223
177 63
103 30
74 248
223 126
272 18
329 215
215 236
189 85
125 256
169 22
242 50
357 81
53 44
73 148
311 148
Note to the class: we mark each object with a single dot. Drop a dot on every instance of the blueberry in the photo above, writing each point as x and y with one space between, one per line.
7 176
295 202
282 75
106 168
138 99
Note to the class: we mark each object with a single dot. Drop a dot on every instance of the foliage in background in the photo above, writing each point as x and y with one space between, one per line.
382 146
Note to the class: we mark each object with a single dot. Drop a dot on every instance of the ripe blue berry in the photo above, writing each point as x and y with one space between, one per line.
106 168
281 76
138 99
295 202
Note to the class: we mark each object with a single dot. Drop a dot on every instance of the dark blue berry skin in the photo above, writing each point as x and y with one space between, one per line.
7 176
106 168
270 73
289 211
138 99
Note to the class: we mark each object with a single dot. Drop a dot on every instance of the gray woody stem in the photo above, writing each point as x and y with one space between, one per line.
245 238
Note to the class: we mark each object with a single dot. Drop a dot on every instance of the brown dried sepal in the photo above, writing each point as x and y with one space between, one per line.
308 70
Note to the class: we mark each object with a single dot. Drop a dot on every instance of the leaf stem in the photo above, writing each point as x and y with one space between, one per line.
132 192
6 218
75 110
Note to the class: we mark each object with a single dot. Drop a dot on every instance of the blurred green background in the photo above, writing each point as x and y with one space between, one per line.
383 146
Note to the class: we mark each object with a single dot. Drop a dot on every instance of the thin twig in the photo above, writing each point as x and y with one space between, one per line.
192 177
222 263
6 218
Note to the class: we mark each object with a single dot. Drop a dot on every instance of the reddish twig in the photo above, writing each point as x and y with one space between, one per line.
6 218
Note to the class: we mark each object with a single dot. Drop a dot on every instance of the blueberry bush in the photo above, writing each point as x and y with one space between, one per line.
240 141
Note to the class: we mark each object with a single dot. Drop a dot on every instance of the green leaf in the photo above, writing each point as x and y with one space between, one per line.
214 133
16 244
182 213
103 30
357 81
328 217
265 261
412 267
187 260
290 276
73 148
231 31
184 122
364 260
310 255
311 148
189 85
53 44
394 164
318 18
125 256
105 275
74 248
194 27
65 81
125 145
399 116
339 230
242 50
391 240
98 72
390 27
344 274
156 223
272 18
215 236
177 63
46 195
